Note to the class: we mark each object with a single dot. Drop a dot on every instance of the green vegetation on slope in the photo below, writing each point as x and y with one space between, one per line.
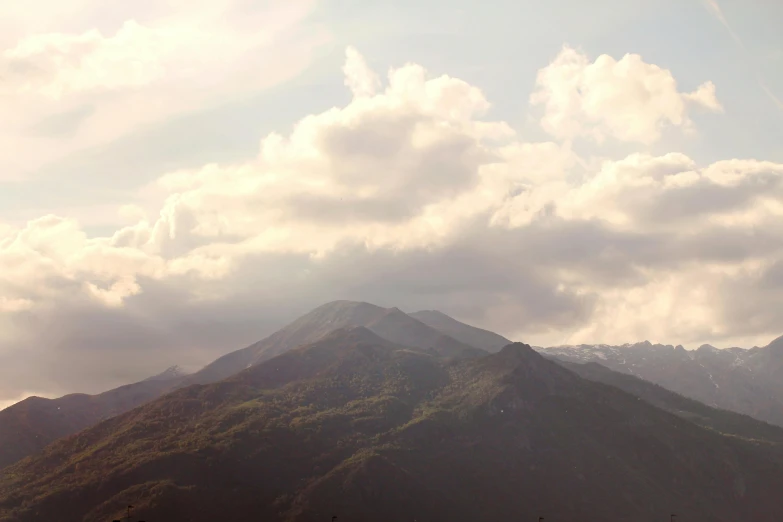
356 426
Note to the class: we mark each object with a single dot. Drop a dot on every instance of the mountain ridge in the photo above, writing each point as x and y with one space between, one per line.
478 337
373 431
390 323
723 421
745 381
30 425
21 436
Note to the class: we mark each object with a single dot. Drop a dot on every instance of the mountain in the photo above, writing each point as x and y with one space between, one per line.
389 323
745 381
28 426
357 426
467 334
170 374
401 328
723 421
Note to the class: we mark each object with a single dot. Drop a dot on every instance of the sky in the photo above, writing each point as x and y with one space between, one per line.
180 179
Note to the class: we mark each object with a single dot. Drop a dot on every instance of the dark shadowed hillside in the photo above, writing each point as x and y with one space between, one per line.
723 421
356 426
28 426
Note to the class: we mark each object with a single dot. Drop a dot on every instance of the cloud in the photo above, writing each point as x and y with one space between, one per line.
93 86
771 95
627 99
56 64
408 195
360 79
714 7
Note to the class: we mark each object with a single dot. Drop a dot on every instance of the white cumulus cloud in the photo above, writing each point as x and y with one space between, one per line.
410 195
627 99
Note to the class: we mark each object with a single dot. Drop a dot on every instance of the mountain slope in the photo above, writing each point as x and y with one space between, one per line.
306 329
391 324
462 332
402 329
723 421
28 426
358 427
734 379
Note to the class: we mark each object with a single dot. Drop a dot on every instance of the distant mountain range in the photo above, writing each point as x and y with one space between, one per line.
360 427
748 381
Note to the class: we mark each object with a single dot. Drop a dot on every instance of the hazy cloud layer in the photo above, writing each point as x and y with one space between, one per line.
90 86
409 195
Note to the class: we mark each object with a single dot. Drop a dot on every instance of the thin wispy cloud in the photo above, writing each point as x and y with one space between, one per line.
771 95
713 6
715 9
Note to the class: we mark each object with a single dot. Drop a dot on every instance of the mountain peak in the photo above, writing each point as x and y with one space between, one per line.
344 304
432 330
518 350
394 312
512 356
355 334
518 374
345 350
170 373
